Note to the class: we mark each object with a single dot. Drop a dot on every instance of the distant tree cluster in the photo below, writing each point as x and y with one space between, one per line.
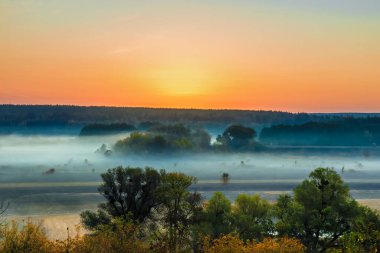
165 138
104 129
320 216
341 132
176 138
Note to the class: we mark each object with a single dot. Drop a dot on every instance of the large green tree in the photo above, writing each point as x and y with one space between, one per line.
321 211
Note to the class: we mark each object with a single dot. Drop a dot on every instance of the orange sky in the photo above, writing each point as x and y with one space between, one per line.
281 55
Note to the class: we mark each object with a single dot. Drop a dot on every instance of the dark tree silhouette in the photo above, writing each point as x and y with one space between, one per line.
237 137
103 129
130 194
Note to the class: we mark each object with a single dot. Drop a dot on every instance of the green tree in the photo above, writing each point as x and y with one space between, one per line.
287 212
218 215
252 217
179 208
130 194
136 142
364 235
321 213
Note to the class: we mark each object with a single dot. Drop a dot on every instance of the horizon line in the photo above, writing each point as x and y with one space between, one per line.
194 108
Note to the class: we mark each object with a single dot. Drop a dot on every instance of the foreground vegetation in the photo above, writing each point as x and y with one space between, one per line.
154 211
124 237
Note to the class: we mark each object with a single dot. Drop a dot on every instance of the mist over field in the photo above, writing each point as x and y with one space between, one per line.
59 174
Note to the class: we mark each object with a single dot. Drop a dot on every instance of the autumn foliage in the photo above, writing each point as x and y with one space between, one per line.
233 244
123 237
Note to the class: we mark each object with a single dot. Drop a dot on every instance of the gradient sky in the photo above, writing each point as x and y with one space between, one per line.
313 56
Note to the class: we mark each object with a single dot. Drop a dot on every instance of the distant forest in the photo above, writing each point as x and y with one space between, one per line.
102 129
336 132
275 128
40 115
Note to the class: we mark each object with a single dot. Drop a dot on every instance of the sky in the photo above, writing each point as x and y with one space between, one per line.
298 56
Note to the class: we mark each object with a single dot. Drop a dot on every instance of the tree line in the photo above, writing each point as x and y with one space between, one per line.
104 129
338 132
64 114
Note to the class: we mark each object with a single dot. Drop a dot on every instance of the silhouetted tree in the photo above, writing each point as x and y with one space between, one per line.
130 194
237 137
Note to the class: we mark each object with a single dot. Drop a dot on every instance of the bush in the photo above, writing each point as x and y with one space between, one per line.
116 237
29 238
233 244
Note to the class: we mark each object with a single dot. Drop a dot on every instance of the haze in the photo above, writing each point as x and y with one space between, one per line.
72 186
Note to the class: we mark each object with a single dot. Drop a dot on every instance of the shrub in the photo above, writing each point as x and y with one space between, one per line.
231 243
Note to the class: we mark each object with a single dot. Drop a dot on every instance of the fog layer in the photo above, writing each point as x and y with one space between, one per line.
60 174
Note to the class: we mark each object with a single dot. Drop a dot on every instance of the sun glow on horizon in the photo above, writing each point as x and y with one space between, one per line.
279 55
180 80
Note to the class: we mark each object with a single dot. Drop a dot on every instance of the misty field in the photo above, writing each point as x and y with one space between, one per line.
59 175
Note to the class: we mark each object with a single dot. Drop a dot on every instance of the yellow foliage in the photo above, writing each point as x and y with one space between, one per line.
30 238
225 244
281 245
122 237
233 244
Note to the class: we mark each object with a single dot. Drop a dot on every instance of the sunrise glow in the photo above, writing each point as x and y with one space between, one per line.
274 55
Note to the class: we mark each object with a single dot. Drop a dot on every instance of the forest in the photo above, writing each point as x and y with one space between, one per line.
33 115
102 129
337 132
272 127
